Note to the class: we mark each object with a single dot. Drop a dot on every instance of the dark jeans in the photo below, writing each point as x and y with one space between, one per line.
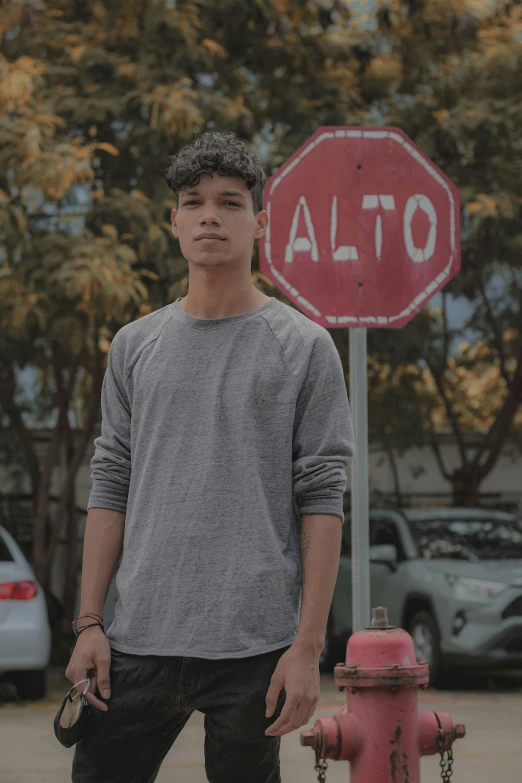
152 698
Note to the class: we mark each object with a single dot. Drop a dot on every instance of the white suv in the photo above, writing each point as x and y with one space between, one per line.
452 577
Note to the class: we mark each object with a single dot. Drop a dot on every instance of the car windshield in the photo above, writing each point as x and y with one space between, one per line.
468 539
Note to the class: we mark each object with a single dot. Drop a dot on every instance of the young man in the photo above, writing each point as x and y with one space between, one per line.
218 476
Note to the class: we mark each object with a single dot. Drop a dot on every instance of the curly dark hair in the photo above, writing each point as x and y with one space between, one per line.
218 152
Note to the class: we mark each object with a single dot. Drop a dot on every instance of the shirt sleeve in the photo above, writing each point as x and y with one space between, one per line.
111 463
323 443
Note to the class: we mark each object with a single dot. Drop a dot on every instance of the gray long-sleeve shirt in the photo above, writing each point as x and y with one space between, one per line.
217 436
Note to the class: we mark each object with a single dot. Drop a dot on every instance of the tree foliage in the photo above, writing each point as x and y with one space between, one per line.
94 96
460 100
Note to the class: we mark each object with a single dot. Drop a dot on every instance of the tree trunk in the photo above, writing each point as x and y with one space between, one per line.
14 414
395 474
3 521
71 567
41 519
466 487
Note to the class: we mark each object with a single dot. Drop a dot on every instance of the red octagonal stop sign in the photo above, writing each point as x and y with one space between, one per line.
364 228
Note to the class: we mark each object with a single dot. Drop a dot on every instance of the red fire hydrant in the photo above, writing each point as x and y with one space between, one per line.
380 730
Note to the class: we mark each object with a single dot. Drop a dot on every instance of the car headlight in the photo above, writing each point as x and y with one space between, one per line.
468 589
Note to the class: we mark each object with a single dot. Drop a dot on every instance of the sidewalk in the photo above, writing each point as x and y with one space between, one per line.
492 749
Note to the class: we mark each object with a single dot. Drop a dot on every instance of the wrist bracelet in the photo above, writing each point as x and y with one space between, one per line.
96 617
89 614
84 628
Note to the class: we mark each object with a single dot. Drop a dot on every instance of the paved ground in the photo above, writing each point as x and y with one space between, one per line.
491 751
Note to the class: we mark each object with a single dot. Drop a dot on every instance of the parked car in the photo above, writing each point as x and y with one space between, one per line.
452 577
25 633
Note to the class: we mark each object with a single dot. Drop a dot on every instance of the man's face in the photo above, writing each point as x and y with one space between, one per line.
215 221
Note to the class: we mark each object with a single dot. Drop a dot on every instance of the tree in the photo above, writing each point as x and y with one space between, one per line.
459 97
94 96
408 407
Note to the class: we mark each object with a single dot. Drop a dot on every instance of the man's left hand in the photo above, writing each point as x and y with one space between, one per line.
297 671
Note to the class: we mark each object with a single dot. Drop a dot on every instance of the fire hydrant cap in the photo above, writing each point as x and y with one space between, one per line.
381 647
381 656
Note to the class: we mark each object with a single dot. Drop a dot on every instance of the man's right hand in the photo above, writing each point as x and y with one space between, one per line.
91 659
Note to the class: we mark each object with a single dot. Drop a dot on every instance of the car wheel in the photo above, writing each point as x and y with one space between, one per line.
426 639
30 684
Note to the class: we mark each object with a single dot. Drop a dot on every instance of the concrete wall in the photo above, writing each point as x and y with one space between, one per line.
419 472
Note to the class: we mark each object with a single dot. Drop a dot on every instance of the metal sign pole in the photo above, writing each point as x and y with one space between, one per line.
361 603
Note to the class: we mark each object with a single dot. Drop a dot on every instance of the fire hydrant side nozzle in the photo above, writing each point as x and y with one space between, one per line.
380 730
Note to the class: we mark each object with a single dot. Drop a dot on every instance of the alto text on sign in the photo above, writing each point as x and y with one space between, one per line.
363 228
